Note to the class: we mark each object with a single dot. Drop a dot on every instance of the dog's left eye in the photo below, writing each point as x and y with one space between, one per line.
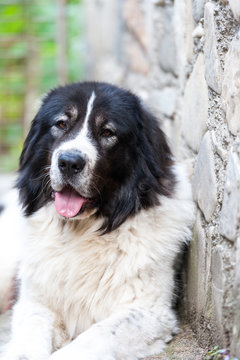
61 124
107 133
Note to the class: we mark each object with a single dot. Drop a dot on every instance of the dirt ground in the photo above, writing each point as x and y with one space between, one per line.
183 347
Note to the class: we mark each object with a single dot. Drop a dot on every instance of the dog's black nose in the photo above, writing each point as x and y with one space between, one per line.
71 163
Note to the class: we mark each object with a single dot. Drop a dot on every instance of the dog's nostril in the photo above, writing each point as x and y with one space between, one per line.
71 163
76 167
62 165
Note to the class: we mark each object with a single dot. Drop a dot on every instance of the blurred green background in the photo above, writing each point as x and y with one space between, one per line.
41 46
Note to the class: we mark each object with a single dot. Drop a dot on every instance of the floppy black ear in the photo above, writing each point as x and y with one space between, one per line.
156 158
151 174
32 178
28 147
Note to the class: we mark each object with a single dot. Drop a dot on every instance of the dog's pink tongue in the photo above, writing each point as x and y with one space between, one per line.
68 202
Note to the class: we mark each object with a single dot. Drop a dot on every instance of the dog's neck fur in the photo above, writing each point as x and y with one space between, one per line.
57 249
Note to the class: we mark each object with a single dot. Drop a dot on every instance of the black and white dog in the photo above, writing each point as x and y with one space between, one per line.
106 212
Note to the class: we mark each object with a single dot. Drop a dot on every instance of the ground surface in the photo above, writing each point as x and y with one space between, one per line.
183 347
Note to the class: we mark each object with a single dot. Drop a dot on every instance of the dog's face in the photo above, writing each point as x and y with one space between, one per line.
90 155
93 148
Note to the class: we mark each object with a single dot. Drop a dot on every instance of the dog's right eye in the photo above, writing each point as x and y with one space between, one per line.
61 124
107 133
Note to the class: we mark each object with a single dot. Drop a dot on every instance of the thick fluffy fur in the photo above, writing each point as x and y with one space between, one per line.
99 285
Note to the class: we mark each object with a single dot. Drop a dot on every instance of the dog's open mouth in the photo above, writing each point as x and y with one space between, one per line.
70 203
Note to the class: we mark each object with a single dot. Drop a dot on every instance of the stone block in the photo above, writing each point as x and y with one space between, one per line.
235 343
137 59
183 28
213 68
195 106
204 182
103 35
218 280
198 32
235 7
230 213
164 101
108 68
231 85
166 42
134 17
198 9
198 272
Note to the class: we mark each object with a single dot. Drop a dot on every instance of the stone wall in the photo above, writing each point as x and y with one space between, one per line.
183 58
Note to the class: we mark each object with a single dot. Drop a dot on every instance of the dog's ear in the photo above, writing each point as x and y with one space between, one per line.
156 157
151 176
29 144
31 179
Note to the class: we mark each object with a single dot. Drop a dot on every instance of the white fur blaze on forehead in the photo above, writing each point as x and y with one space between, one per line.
82 142
89 107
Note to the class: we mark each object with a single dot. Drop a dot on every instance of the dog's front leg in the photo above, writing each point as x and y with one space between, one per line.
130 335
31 336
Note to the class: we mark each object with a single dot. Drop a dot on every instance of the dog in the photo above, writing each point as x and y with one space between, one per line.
106 211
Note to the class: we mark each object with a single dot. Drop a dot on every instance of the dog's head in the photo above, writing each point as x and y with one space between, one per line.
94 149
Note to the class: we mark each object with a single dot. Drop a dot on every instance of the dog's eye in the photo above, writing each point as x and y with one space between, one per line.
61 124
107 133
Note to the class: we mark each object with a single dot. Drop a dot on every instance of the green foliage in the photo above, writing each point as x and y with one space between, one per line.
28 33
219 354
11 136
213 354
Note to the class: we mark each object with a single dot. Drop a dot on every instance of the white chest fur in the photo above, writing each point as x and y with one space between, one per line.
84 276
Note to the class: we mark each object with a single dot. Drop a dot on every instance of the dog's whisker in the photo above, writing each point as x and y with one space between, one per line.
97 176
98 191
43 188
